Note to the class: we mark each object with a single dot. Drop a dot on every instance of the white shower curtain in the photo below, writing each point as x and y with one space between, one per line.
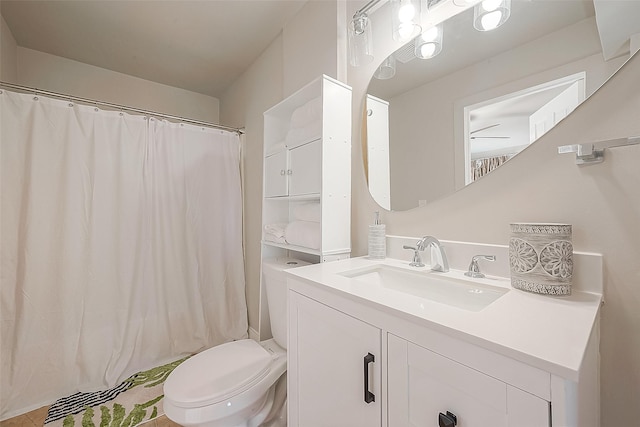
121 246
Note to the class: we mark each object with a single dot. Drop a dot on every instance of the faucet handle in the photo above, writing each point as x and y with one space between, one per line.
417 261
474 268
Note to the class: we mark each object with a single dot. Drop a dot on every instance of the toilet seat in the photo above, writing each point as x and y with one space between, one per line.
197 383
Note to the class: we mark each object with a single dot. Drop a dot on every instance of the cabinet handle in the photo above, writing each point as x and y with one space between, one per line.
447 420
289 172
368 396
282 172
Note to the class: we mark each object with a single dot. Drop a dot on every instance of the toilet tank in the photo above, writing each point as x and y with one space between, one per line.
276 287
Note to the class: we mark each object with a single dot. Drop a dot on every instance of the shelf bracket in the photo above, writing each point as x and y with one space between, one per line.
590 153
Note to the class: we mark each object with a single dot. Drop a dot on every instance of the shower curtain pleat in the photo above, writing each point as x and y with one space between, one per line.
121 246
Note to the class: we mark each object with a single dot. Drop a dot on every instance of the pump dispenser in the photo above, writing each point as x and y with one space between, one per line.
377 239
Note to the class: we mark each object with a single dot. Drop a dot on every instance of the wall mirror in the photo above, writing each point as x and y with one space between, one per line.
436 125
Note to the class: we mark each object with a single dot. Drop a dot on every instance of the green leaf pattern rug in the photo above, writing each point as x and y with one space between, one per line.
136 400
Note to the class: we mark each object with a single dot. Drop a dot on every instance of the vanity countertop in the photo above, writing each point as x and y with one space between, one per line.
547 332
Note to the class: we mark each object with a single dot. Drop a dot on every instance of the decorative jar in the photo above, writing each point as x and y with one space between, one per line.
541 258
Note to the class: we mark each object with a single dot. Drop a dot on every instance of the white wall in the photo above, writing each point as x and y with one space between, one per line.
309 43
8 54
54 73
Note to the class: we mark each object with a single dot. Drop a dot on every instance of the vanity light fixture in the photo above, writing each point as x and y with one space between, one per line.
360 40
490 14
405 16
429 43
407 25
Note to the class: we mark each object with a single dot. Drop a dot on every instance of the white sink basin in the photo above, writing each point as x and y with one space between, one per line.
438 287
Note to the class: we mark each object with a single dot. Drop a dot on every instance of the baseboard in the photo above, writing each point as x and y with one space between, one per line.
254 335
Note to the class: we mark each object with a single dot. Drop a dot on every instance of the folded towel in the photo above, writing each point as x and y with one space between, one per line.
275 239
307 113
299 136
303 233
307 212
276 230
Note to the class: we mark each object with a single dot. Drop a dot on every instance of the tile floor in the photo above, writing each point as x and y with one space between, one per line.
36 419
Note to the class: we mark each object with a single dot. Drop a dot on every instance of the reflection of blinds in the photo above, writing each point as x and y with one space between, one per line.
481 167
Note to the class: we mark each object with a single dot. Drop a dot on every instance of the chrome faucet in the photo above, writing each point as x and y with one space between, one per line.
421 245
474 268
416 261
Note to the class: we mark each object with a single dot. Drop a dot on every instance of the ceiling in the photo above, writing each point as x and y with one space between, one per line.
201 46
204 45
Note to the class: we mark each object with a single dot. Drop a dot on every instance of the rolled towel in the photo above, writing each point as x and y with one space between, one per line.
276 229
303 233
307 113
307 212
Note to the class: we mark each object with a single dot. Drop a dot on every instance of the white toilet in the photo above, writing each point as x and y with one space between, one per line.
232 385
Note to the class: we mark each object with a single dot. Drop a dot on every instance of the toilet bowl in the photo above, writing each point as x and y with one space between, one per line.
232 385
225 386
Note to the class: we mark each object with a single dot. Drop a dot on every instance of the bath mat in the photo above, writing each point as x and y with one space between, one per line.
134 401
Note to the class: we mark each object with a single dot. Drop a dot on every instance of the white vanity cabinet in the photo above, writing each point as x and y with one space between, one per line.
424 387
431 363
335 360
336 366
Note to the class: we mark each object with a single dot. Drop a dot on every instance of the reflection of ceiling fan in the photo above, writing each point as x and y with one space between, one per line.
487 137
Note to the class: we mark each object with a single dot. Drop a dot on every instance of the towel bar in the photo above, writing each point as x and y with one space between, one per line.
593 152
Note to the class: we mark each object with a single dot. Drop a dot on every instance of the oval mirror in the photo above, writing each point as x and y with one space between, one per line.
435 125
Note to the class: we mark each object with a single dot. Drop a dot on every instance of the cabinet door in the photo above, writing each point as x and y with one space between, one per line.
330 370
306 169
275 174
423 384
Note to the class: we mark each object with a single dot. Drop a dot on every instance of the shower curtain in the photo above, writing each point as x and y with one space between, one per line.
121 246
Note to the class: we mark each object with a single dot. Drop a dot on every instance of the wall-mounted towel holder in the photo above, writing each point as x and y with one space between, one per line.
593 152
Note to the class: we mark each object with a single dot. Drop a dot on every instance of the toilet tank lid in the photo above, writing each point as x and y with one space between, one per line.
216 374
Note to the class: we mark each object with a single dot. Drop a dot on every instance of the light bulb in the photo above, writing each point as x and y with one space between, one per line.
387 69
430 35
490 14
427 50
429 43
406 12
491 20
490 5
405 19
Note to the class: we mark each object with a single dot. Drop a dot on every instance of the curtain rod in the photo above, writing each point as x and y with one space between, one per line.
118 107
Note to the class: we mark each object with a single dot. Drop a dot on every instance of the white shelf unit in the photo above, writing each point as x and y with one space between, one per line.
308 163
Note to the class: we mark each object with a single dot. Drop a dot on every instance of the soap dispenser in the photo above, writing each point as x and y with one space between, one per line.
377 239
